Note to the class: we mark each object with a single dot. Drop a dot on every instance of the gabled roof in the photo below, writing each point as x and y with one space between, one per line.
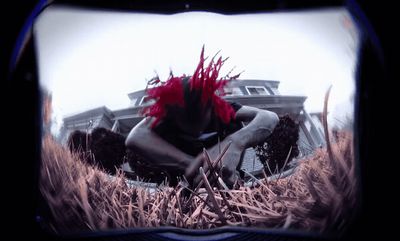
238 82
90 113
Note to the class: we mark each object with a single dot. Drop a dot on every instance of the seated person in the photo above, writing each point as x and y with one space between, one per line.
188 115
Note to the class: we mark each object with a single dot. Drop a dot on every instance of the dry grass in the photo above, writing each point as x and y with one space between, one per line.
319 196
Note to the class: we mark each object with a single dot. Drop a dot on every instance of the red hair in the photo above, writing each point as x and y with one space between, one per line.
204 80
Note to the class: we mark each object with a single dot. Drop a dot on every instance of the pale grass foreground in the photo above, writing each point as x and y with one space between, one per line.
319 196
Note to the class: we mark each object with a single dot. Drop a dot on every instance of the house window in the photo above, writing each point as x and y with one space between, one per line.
233 91
257 90
146 100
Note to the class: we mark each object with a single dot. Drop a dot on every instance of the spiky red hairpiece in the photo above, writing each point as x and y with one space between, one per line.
168 93
205 80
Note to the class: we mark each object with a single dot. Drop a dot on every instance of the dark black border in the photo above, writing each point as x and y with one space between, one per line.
23 100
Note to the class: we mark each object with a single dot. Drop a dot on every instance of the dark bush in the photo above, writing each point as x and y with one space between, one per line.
108 149
102 147
276 147
78 142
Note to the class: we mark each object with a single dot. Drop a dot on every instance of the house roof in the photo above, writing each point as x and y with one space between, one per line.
235 83
102 110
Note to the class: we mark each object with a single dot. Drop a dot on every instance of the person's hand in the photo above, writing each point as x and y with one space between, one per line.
230 161
192 171
228 165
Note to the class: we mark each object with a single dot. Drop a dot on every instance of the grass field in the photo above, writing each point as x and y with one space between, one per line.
320 196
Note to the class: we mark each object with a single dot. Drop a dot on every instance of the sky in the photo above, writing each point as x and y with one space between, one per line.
91 58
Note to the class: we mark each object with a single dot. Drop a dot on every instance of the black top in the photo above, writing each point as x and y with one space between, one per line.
215 130
167 130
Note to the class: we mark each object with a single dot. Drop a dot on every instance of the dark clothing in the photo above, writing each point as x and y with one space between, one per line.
216 130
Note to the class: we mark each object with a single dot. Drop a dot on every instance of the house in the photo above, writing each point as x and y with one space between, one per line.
262 94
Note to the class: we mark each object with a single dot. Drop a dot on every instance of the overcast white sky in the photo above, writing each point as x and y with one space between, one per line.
89 59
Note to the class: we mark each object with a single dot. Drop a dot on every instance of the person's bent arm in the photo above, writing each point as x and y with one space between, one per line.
260 126
155 149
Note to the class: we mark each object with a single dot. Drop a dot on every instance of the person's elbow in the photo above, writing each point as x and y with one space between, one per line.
131 140
135 137
269 119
